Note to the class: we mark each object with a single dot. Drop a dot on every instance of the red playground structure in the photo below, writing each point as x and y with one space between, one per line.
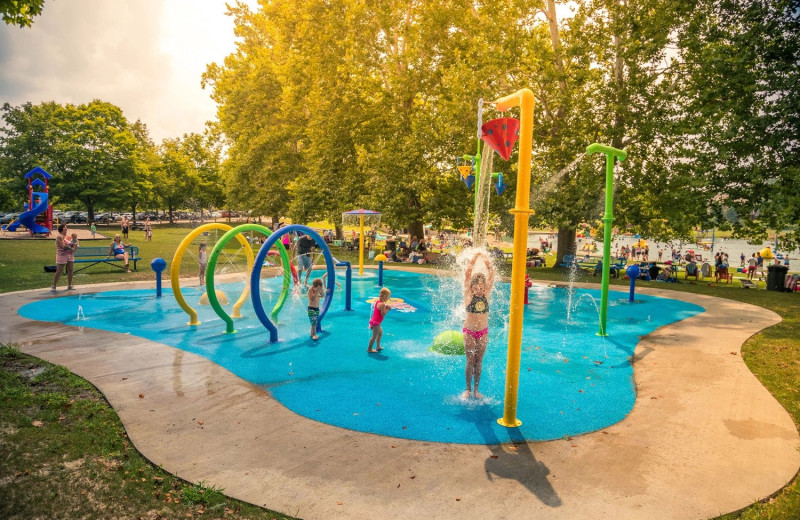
38 214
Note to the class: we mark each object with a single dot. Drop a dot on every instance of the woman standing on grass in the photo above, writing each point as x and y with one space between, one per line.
65 256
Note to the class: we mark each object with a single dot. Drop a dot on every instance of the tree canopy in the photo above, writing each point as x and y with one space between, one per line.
341 103
331 105
101 161
20 12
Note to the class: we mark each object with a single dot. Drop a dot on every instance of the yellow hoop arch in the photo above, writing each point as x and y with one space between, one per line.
175 269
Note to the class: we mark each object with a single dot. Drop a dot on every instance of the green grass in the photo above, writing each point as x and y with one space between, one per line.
66 455
773 356
22 261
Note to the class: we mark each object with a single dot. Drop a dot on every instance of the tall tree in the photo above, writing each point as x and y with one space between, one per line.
89 149
177 176
741 120
27 140
263 132
606 78
98 148
204 153
138 189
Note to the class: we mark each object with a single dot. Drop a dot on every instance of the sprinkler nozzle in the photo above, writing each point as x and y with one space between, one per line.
608 150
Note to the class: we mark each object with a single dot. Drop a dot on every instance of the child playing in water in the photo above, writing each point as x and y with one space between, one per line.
314 292
202 260
477 288
379 310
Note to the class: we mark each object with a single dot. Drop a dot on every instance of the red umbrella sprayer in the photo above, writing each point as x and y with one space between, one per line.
501 134
372 217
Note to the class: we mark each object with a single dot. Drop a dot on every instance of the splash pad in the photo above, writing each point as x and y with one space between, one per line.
406 391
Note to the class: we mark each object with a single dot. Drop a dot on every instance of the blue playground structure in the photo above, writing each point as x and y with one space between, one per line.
38 203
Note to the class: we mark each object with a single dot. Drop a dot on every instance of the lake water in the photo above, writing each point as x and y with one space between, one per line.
733 247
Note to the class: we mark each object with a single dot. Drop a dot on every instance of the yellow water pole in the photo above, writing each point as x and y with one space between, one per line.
361 244
521 211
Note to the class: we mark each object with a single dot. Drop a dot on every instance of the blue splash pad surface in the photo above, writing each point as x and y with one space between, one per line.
571 380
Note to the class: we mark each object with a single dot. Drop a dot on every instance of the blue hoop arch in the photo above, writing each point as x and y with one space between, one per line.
255 276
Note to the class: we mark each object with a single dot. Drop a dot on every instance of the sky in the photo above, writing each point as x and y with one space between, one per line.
145 56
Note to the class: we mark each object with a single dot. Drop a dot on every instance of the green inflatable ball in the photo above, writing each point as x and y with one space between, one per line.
449 342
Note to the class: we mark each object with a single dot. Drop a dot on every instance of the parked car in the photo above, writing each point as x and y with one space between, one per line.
102 218
8 218
229 214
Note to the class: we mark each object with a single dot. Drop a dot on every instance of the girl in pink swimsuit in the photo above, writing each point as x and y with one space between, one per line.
477 287
379 310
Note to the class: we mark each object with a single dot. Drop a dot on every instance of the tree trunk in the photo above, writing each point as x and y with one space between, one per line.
566 243
416 229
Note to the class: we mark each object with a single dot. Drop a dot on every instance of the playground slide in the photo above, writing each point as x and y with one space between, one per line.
28 219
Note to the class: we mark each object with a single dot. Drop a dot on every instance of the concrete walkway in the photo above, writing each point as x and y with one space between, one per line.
704 438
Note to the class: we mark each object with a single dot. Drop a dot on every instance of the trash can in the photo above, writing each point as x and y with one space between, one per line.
776 277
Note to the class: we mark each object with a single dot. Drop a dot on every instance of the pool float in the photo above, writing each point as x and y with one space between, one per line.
397 304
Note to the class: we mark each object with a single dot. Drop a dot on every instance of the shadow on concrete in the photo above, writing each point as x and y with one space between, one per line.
513 461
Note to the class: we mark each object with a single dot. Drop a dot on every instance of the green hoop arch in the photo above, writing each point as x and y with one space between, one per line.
175 269
212 262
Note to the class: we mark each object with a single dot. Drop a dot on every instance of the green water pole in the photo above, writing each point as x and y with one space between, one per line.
608 219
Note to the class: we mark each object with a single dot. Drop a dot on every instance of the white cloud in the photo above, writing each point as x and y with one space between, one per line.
145 56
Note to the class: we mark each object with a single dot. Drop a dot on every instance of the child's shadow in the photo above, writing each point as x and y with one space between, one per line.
513 461
378 356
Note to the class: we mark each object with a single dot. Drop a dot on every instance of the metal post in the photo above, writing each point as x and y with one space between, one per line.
524 99
608 219
361 245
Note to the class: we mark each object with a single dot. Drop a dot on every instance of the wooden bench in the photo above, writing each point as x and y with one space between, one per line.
99 255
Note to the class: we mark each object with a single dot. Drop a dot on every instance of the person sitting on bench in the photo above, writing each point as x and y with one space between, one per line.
118 251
